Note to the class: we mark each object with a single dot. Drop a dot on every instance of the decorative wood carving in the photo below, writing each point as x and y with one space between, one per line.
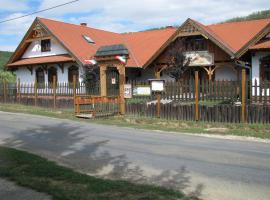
39 32
45 68
30 68
61 66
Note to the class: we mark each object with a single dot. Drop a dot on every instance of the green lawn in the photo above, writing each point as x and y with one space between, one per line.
61 183
251 130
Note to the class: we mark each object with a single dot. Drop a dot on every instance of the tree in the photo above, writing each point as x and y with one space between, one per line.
176 59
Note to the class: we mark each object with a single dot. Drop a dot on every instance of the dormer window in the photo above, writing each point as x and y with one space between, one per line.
45 45
88 39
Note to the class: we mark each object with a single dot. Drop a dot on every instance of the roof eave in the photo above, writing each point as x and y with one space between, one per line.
11 59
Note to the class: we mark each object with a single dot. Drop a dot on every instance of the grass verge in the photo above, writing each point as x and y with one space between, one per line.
250 130
62 183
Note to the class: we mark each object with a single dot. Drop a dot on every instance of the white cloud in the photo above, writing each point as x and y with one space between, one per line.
13 5
152 13
128 15
17 27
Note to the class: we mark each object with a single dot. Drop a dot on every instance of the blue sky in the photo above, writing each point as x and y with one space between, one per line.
120 15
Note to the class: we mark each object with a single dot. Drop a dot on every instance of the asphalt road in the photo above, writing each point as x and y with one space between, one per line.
215 168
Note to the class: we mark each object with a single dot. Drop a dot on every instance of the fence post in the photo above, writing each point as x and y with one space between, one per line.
157 75
243 113
54 92
35 92
74 92
19 90
196 95
5 90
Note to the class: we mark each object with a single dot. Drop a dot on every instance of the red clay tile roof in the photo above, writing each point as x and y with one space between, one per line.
237 34
141 45
262 45
40 60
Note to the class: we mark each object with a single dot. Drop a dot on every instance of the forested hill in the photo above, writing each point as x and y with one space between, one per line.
4 56
256 15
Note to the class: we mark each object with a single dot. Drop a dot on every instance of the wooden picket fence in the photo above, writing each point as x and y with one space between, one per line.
50 95
216 113
230 91
184 100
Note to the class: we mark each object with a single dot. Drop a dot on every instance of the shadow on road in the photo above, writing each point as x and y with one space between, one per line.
69 145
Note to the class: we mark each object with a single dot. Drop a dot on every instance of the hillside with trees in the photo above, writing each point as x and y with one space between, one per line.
5 75
4 56
256 15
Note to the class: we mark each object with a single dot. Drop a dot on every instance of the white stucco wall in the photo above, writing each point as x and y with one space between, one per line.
34 50
255 66
255 71
25 75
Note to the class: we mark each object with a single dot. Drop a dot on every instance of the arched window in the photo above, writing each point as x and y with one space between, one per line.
40 77
73 71
52 71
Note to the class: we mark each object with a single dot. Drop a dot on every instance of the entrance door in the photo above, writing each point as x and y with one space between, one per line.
112 81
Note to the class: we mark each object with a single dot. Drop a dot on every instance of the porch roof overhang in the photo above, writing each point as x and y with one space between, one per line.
112 50
261 46
42 60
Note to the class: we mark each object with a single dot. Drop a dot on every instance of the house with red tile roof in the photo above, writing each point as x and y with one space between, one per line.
53 48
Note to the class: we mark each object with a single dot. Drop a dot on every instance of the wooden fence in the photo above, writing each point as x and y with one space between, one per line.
96 106
216 113
213 101
226 91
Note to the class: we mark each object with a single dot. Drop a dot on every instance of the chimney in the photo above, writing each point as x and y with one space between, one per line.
83 24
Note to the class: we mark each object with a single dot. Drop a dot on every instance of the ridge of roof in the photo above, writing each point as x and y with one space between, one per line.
141 45
149 31
240 22
77 25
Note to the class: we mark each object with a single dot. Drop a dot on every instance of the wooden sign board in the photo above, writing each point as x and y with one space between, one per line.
143 90
200 58
157 85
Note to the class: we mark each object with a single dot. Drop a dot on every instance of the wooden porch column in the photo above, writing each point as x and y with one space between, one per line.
243 110
103 81
122 79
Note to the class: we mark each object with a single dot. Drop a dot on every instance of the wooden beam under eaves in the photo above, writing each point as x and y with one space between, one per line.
38 39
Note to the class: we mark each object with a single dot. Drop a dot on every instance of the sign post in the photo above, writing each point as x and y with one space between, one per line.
157 86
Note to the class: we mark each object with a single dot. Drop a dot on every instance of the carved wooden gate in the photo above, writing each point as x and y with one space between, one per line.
87 106
112 81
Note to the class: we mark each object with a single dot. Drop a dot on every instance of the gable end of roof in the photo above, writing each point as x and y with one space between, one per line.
254 40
